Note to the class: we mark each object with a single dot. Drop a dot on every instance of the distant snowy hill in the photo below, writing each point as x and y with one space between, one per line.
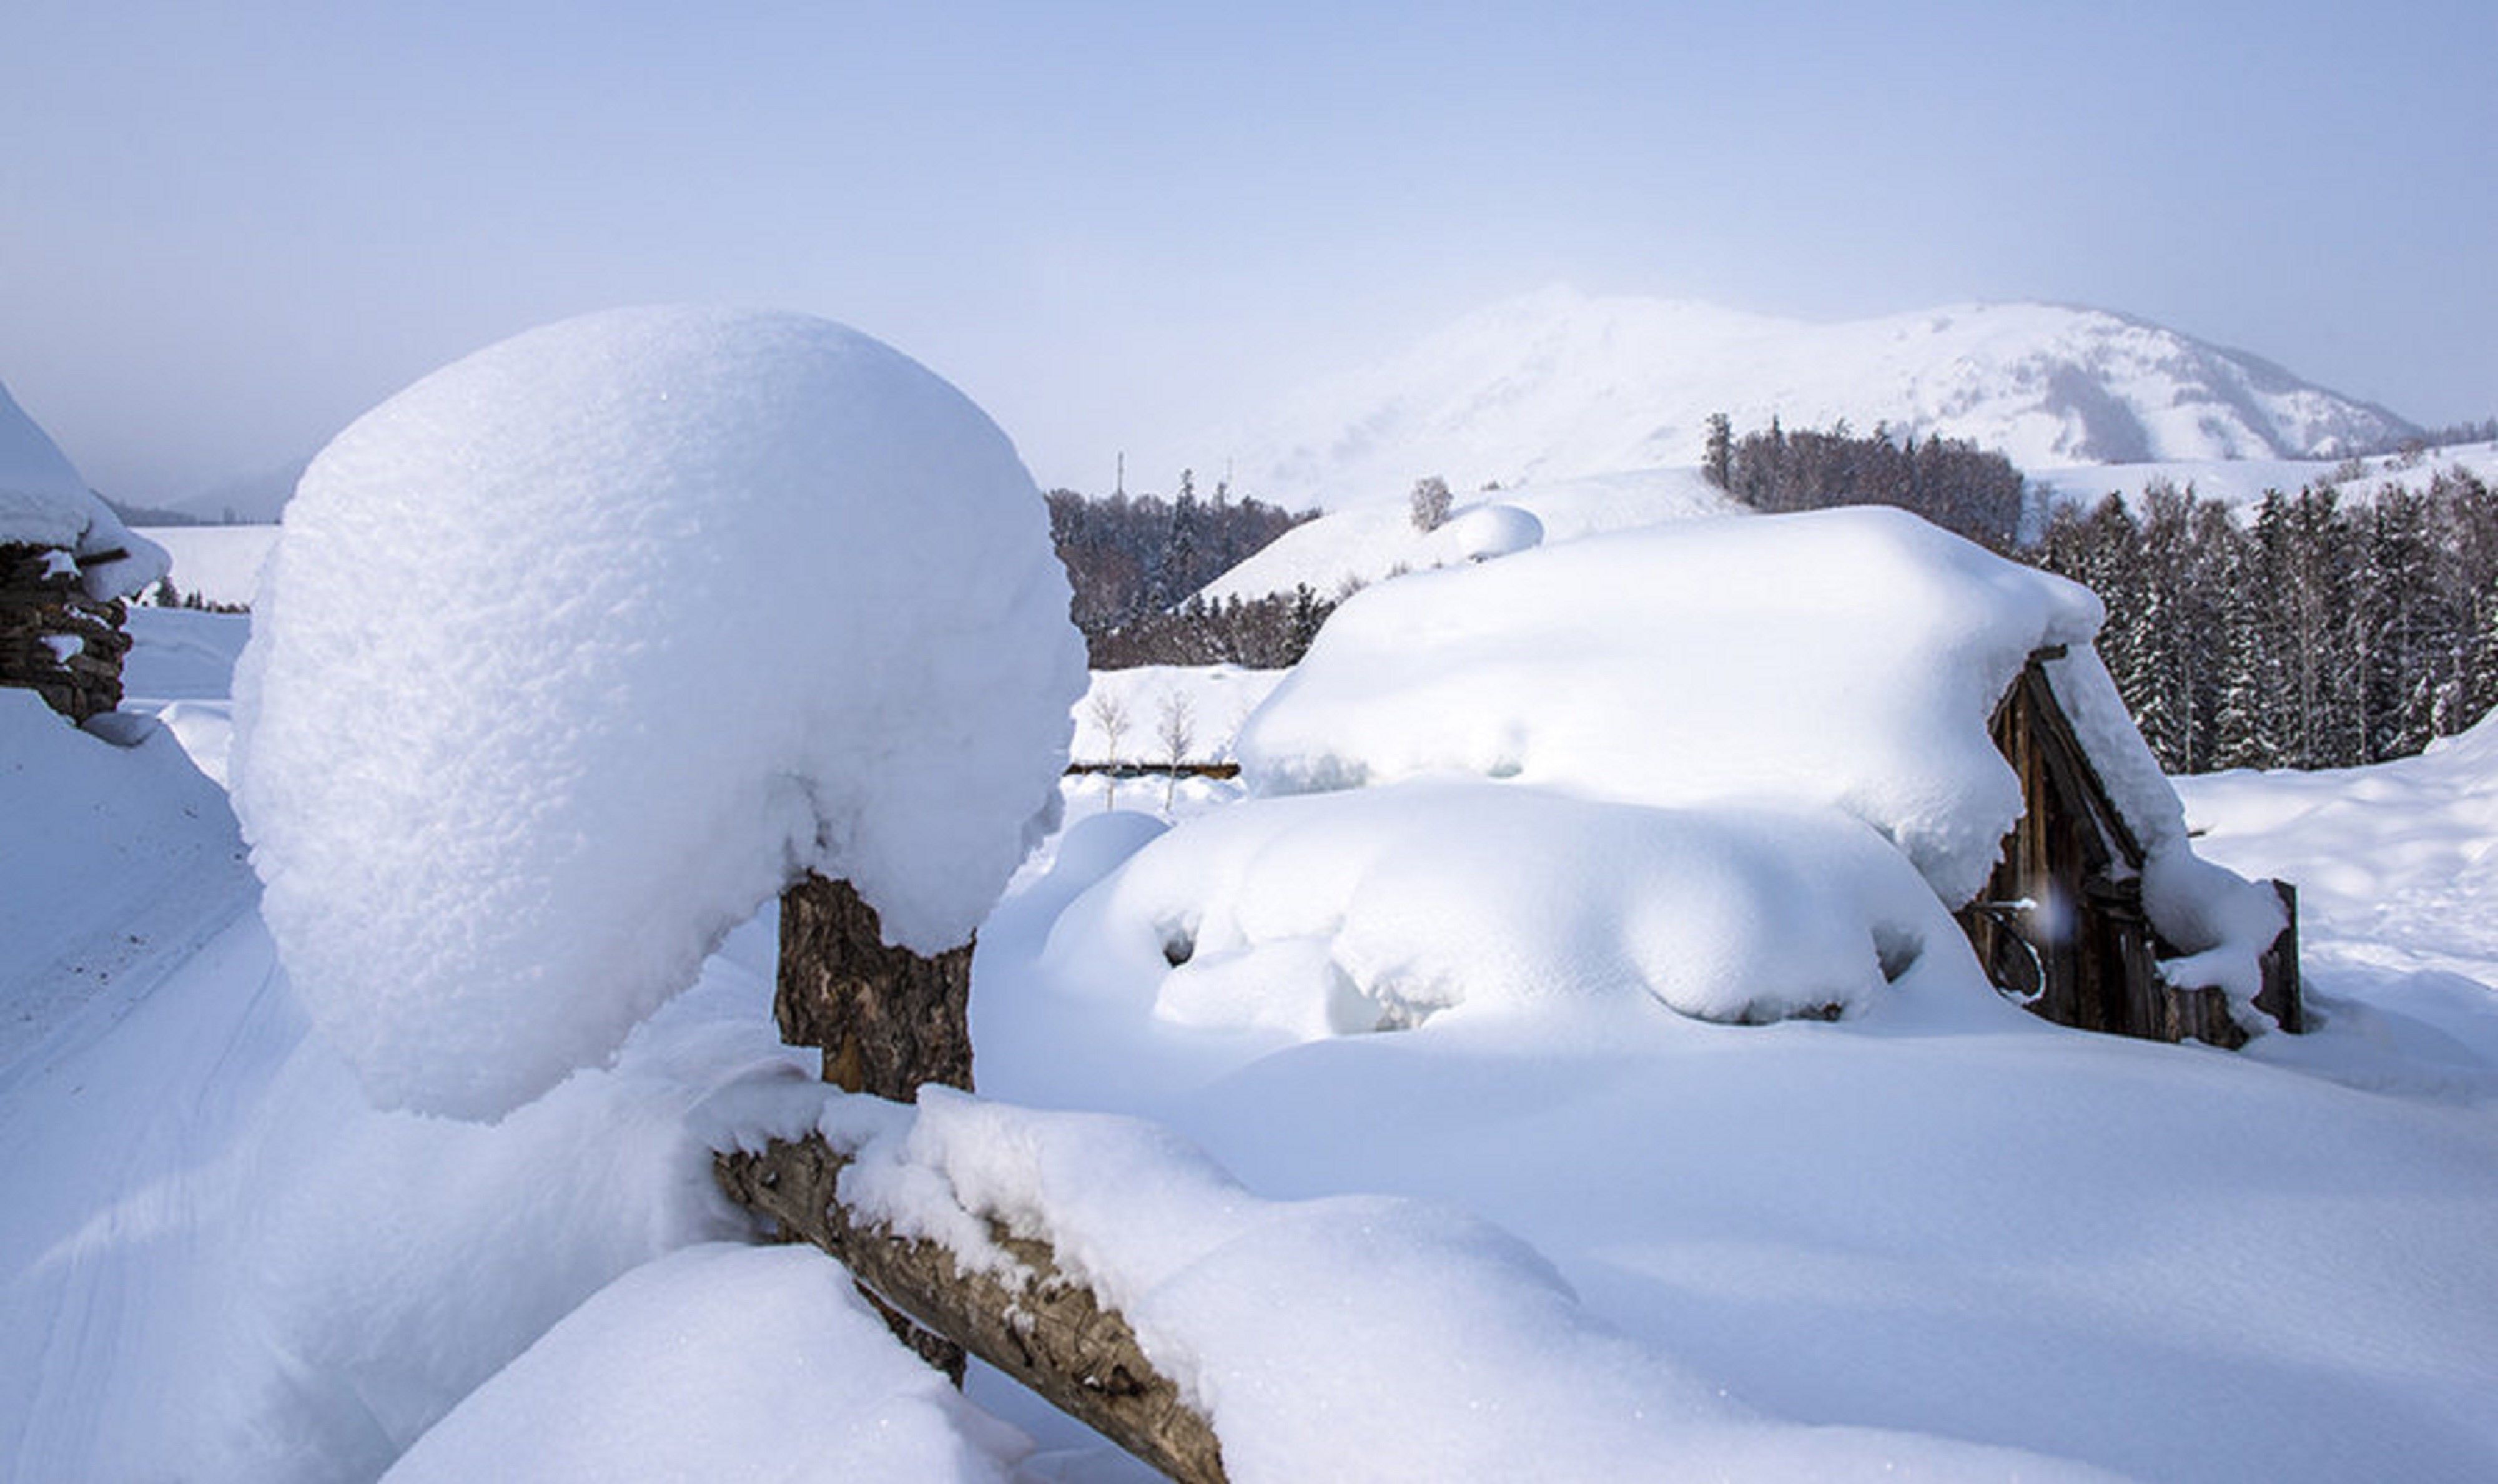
1559 384
254 499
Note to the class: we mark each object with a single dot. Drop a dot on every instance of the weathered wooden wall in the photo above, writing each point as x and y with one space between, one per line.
2085 953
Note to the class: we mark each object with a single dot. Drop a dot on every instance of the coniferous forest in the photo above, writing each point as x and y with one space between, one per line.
2313 631
2318 632
1137 561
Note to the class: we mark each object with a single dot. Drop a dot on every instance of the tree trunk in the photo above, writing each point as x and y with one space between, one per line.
1051 1334
886 1019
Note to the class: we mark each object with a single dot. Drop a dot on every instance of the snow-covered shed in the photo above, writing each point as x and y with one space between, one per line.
1859 664
66 563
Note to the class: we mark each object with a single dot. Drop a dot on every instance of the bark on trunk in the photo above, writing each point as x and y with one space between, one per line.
886 1019
1052 1335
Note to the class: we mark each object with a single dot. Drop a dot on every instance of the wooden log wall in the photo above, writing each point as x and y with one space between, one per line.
54 640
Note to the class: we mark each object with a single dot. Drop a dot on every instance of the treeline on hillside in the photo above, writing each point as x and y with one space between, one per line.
2319 633
1956 485
1135 561
1270 633
2412 446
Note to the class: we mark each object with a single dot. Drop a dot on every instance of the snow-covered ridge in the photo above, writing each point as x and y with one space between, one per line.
1559 384
1371 542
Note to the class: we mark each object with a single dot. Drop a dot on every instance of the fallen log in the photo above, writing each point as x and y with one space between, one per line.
1155 770
1047 1331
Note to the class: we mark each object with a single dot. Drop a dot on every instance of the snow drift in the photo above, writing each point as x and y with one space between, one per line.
1333 915
578 650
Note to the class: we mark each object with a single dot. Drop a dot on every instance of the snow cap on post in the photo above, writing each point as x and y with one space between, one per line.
576 651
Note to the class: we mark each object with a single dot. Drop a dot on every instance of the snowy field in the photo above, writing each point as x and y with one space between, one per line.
1551 1058
220 564
2163 1261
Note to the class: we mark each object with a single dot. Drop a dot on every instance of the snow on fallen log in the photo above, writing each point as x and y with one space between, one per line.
1216 1333
1032 1322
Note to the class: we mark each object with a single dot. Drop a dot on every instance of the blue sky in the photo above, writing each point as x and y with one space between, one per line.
225 230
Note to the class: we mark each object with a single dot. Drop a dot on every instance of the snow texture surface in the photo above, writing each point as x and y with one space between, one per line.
1413 1338
112 857
1337 914
1796 1251
580 649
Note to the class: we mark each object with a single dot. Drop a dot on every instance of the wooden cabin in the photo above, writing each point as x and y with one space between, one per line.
2060 927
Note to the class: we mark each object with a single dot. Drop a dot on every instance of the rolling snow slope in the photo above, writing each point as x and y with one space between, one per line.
1559 384
221 1265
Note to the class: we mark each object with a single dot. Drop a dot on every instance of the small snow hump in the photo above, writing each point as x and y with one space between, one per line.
576 651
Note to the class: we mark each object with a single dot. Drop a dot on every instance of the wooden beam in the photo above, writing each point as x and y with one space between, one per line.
1050 1332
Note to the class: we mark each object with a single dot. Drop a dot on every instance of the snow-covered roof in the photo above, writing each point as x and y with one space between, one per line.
578 650
1849 657
1846 658
44 502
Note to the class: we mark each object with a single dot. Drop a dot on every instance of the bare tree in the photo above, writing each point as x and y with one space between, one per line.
1111 714
1176 727
1431 503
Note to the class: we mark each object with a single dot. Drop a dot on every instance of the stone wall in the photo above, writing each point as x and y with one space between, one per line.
54 640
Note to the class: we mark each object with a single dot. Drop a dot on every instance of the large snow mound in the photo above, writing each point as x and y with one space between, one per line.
45 502
1334 915
578 650
1843 657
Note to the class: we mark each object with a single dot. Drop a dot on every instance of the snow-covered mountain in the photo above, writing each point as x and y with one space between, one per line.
1559 384
253 500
